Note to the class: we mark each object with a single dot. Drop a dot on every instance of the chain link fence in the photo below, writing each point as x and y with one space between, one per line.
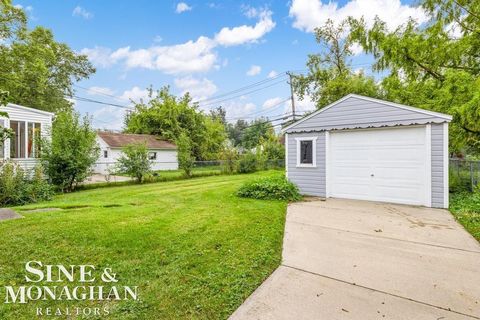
464 174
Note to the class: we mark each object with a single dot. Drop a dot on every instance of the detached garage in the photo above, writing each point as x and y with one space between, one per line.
369 149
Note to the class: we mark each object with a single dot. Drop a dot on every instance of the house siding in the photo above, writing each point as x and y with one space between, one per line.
355 113
166 159
310 181
437 166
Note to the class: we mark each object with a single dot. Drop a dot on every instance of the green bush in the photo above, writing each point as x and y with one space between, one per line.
229 156
247 163
17 187
271 188
69 156
134 162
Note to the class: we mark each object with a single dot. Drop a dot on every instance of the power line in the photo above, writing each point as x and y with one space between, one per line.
101 102
282 74
254 114
100 92
237 96
66 96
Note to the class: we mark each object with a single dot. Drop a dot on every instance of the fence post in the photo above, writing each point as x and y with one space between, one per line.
472 183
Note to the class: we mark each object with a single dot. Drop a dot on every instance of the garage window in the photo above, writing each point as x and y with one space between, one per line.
306 152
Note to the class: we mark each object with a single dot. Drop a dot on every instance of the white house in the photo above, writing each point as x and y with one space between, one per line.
162 154
28 125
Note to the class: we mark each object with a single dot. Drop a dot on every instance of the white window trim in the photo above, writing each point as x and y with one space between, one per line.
25 144
314 152
445 167
428 165
327 164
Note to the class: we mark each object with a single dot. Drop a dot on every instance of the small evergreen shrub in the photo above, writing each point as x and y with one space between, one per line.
271 188
18 188
248 163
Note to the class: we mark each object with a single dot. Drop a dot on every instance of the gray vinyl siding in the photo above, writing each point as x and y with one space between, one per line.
437 166
359 113
310 181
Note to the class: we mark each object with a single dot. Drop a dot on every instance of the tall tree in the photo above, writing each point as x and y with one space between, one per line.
256 131
434 66
36 70
235 131
330 76
169 116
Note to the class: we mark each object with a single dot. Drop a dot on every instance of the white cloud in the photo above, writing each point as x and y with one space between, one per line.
82 12
356 49
199 89
272 102
182 7
99 56
309 14
454 30
94 91
109 117
186 58
246 34
189 57
237 109
250 12
157 39
27 8
136 94
301 105
254 70
272 74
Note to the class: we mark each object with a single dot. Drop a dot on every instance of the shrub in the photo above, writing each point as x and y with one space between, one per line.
229 155
18 187
271 188
134 162
247 163
70 155
186 159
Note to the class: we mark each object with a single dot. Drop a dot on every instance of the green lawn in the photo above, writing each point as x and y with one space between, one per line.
194 249
197 171
465 206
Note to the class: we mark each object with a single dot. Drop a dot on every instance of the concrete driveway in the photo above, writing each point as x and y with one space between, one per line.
346 259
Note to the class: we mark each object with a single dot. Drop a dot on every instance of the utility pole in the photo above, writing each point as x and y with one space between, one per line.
291 92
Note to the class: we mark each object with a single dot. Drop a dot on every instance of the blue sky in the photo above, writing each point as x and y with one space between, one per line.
205 47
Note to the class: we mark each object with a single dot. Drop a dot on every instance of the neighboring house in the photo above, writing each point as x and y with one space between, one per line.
162 154
369 149
28 125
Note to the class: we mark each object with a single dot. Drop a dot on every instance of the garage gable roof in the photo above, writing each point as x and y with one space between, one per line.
356 111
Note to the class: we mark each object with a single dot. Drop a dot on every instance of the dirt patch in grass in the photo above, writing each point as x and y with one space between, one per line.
42 210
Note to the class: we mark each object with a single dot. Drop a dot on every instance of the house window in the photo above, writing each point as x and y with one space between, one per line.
33 140
25 142
105 153
152 155
306 152
17 141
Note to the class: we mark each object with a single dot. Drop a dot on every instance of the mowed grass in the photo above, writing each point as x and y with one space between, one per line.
465 206
193 248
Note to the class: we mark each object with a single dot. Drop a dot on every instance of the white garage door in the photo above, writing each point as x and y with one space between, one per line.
388 165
